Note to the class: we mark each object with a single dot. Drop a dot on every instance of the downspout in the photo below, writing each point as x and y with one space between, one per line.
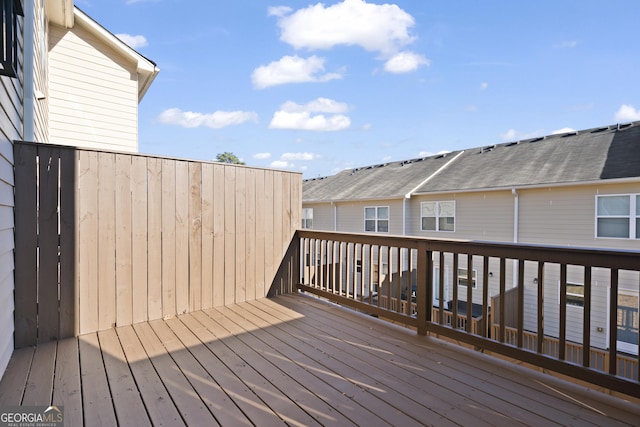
405 201
516 222
335 216
28 92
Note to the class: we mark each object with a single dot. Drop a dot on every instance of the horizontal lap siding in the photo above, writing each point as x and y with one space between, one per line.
10 129
351 215
93 93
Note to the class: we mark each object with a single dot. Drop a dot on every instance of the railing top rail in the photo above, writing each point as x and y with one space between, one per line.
593 257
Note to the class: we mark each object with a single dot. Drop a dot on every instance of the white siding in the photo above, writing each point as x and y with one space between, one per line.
351 216
93 92
322 216
479 216
41 125
566 216
10 130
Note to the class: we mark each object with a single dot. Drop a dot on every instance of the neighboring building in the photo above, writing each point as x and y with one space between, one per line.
64 79
577 189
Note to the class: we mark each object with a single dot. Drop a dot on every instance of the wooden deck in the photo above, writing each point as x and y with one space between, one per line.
290 360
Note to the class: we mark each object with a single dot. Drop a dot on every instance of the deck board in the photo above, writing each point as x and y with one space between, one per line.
291 360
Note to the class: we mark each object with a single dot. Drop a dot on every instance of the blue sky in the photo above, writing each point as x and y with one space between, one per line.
320 87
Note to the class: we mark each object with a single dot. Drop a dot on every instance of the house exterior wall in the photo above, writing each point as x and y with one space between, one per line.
40 77
351 216
563 215
478 216
323 216
11 129
93 92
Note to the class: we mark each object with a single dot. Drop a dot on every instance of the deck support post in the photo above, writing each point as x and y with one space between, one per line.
423 290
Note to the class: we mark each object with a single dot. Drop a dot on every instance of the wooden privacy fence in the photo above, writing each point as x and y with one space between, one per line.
106 239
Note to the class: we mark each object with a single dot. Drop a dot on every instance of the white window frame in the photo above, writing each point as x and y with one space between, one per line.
633 216
437 215
377 219
474 277
307 218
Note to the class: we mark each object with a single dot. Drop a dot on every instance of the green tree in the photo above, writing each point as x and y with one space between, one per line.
228 157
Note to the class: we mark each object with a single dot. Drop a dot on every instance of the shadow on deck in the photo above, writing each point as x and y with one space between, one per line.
291 360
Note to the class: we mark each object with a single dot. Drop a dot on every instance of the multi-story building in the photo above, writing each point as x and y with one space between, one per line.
578 189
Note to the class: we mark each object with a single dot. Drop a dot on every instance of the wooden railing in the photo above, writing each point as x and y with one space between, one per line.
574 352
372 273
106 239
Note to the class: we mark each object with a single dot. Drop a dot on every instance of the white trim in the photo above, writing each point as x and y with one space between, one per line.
443 167
376 219
633 215
437 215
146 69
28 100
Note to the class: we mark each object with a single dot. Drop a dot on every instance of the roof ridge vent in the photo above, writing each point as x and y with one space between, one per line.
600 129
574 133
624 125
487 149
511 144
541 138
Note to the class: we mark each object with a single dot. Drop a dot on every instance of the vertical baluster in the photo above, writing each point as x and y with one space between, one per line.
520 309
469 293
503 270
586 320
540 335
613 323
562 345
485 296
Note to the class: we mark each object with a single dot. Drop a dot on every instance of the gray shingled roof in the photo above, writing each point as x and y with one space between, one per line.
585 156
383 181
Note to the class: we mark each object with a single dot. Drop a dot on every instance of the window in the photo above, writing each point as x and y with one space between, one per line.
463 277
9 61
307 217
376 219
438 216
618 216
575 294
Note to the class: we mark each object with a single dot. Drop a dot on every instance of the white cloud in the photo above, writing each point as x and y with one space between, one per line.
296 116
305 121
377 28
567 44
320 105
262 156
282 164
216 120
513 135
484 86
278 11
134 42
405 62
298 156
627 113
291 69
563 130
509 135
429 153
